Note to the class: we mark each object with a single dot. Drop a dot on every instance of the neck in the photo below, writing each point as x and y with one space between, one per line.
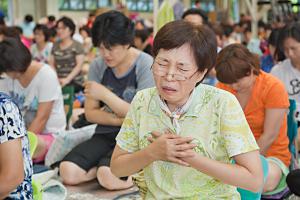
175 106
66 41
249 89
126 63
28 75
296 64
41 45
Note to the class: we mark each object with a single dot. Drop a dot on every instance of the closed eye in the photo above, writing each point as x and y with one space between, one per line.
161 65
184 70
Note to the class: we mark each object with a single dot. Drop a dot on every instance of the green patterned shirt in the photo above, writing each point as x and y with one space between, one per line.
216 121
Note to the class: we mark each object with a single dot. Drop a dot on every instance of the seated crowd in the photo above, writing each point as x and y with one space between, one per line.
189 114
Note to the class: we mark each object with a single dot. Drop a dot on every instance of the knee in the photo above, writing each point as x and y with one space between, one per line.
106 178
68 173
272 181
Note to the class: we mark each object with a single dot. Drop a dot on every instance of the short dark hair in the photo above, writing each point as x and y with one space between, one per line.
11 31
143 34
235 62
196 11
2 21
291 30
201 39
227 29
51 18
52 32
44 29
276 41
20 60
112 28
68 22
28 18
86 29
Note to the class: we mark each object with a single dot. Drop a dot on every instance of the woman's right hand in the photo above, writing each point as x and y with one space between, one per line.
171 147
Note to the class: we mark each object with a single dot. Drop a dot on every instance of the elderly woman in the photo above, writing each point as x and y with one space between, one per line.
184 137
265 103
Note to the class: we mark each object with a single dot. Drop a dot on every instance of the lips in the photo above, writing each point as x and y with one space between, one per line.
168 89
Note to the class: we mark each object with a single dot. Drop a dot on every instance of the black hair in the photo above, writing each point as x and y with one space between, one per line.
2 21
28 18
12 31
112 28
52 32
293 181
51 18
227 30
86 29
44 29
291 30
196 11
143 34
14 56
68 22
18 29
276 41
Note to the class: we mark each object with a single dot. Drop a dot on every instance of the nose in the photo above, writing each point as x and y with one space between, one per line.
170 74
170 77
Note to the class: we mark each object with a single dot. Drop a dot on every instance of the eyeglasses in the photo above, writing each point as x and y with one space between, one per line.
180 75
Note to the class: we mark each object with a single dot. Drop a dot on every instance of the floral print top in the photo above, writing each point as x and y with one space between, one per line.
216 122
12 127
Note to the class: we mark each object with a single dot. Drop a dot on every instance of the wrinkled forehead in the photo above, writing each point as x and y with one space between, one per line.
183 54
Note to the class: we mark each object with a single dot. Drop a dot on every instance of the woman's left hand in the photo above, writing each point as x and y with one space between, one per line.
179 151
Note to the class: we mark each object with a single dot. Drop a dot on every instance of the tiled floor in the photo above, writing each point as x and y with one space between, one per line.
92 191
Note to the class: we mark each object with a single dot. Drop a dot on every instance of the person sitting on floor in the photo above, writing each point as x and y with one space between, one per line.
265 103
67 55
35 88
183 136
114 78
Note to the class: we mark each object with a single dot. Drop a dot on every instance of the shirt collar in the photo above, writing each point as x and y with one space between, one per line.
194 109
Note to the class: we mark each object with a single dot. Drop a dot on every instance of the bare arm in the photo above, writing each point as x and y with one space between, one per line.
95 114
52 62
176 149
99 92
167 147
42 115
11 166
273 121
246 173
134 162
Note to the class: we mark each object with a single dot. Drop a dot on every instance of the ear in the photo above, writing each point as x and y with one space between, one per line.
200 75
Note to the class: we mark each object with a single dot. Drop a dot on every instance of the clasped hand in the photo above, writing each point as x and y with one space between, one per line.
95 90
171 147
